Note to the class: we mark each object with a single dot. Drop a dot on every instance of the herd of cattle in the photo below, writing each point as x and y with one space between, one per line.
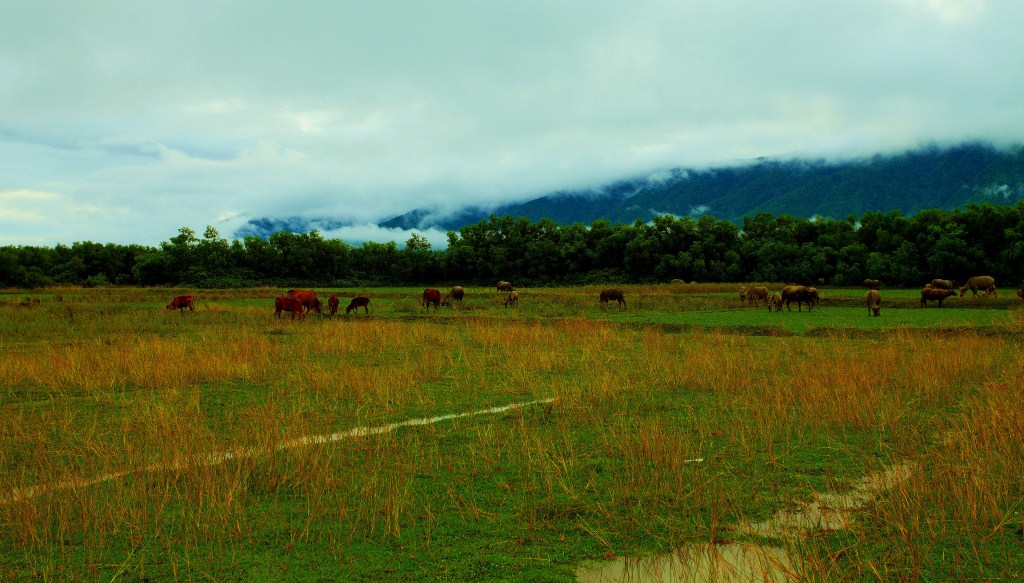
937 290
298 302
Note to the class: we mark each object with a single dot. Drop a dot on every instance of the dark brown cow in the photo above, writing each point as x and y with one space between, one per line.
1020 293
872 283
801 295
512 299
332 305
359 302
287 304
984 283
932 294
308 299
612 293
181 302
504 286
943 283
455 295
874 302
431 296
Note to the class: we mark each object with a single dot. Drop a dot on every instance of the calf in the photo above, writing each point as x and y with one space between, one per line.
775 302
512 299
286 304
359 302
332 305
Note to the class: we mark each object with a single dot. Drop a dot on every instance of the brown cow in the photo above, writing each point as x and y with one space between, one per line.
775 302
612 293
678 282
932 294
812 298
943 283
456 295
801 295
743 295
332 305
874 302
985 283
872 283
504 286
288 305
431 296
1020 293
756 295
512 299
308 299
181 302
359 302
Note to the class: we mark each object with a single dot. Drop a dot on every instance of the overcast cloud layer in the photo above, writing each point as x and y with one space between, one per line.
124 121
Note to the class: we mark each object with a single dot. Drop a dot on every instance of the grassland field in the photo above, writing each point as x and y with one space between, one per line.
140 444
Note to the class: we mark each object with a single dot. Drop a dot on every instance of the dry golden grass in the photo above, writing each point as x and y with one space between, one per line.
129 410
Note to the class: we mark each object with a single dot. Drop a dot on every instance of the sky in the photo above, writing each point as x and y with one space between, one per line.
125 121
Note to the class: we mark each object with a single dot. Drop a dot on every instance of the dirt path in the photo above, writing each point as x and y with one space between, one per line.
747 561
211 459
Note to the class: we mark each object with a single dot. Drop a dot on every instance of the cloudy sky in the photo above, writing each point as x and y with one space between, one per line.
124 121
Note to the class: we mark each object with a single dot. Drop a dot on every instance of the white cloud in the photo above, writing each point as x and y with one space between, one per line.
188 115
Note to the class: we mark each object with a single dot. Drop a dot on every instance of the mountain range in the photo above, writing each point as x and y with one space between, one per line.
924 178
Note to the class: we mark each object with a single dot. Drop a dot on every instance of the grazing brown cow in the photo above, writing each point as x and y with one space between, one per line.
512 299
756 295
181 302
431 296
801 295
813 299
308 299
874 302
775 302
943 283
612 293
332 305
504 286
287 304
743 295
985 283
678 282
455 295
872 283
359 302
932 294
1020 293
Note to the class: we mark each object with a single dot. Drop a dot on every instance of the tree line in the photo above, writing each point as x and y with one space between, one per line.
901 251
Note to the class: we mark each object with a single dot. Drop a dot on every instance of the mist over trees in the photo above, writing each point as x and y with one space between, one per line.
901 251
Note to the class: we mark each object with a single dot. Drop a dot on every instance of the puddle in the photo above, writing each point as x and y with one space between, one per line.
750 562
827 511
211 459
731 562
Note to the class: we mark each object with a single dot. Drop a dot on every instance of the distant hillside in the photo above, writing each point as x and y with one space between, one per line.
932 177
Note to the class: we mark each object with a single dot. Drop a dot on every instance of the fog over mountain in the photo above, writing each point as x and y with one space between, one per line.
926 178
124 125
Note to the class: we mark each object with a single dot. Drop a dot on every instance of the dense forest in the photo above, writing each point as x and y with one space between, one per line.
901 251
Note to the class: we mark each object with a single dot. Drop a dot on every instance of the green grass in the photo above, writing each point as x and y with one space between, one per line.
778 406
